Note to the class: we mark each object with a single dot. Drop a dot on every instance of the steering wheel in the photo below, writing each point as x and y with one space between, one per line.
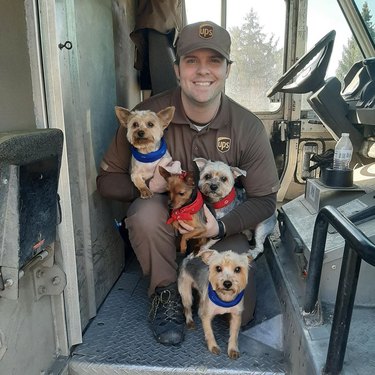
309 70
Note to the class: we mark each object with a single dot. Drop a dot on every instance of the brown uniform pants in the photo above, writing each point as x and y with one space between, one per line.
154 243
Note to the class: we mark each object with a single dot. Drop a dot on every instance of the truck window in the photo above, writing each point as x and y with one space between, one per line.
366 9
345 51
257 46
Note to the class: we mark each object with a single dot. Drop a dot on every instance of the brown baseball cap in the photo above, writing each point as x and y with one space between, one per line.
205 34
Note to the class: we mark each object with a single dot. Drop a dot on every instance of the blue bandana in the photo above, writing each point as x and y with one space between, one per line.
212 295
152 156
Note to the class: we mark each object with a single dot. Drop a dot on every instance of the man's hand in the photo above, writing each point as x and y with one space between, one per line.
212 227
157 183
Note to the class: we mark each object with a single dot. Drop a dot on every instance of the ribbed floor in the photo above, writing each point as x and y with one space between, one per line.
119 340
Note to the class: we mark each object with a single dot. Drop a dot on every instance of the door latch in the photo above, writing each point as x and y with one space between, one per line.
68 45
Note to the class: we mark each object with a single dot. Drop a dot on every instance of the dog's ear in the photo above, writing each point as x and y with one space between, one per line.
237 172
206 255
166 115
189 179
196 172
122 115
200 162
164 173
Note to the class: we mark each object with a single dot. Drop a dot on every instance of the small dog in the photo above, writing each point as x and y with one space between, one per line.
186 203
216 182
220 286
145 131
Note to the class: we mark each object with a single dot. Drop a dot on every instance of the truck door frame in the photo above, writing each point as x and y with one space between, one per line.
47 77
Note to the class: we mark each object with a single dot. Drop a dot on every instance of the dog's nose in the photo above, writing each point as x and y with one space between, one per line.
141 134
213 187
227 284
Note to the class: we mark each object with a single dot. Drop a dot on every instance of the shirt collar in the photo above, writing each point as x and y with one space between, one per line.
221 120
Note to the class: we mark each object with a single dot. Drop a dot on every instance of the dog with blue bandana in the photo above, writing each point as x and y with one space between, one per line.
220 279
144 131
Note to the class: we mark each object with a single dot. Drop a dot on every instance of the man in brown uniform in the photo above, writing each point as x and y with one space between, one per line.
206 124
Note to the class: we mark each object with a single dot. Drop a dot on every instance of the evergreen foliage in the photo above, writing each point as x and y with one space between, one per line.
257 64
351 52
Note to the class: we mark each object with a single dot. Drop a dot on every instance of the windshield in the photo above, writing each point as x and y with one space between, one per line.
257 50
366 10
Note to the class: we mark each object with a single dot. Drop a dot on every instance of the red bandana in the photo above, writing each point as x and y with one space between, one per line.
226 200
187 212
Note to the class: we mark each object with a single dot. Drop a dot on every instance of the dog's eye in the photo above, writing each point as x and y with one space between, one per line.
207 177
218 269
150 124
237 270
135 124
224 179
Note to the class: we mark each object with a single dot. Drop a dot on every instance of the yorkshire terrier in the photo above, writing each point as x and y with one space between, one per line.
145 131
220 279
216 182
186 203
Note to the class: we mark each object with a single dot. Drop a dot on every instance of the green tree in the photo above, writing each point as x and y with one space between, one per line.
257 64
351 52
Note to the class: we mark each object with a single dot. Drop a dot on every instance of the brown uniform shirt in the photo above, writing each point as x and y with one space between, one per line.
236 136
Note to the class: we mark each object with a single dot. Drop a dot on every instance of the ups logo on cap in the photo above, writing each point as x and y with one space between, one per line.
223 144
206 31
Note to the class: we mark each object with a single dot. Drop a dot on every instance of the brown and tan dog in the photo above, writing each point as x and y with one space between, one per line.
145 131
216 182
221 287
186 203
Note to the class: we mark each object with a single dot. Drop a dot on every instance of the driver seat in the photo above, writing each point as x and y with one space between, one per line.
332 109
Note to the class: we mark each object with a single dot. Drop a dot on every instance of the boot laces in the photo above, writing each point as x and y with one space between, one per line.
170 306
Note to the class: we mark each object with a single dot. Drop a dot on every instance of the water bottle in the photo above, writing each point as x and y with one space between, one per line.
343 153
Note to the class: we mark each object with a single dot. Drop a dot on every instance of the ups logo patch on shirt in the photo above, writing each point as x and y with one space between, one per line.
223 144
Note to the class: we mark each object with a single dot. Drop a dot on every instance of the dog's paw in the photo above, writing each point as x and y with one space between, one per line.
233 354
146 193
255 253
214 350
190 325
248 233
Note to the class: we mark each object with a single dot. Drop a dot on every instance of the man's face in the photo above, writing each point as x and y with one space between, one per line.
202 74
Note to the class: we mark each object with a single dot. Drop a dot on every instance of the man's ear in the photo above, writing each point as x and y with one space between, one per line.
228 70
177 70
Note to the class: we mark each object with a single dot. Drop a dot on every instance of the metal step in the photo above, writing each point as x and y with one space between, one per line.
119 341
306 346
